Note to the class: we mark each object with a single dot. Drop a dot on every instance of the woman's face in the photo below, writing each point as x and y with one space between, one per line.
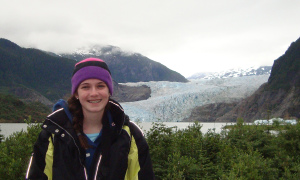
93 95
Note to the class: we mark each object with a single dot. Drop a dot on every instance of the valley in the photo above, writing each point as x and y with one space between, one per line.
174 101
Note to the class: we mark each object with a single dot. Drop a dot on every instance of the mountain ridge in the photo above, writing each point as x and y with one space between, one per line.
35 75
235 72
278 97
128 66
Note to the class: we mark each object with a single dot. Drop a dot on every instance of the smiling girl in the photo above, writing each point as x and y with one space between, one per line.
90 137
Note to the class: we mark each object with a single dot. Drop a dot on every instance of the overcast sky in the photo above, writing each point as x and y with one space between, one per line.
187 36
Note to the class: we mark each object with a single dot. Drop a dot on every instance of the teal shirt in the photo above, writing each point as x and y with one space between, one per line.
93 137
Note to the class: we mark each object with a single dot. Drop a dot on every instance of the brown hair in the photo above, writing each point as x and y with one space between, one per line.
76 110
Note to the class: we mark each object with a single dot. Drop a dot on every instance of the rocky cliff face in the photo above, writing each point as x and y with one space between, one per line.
29 95
266 104
210 112
123 93
279 97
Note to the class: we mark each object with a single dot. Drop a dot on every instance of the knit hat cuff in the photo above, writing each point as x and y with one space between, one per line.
91 72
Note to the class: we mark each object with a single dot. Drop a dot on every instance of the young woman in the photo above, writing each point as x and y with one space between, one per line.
90 137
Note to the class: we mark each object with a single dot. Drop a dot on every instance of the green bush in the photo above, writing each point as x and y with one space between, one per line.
243 152
250 165
15 152
161 140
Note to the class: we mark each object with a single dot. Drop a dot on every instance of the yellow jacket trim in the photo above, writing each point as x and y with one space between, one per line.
49 160
133 161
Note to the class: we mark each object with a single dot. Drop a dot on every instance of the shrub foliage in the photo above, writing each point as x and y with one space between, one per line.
16 150
243 152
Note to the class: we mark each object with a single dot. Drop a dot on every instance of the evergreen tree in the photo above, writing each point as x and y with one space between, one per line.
1 136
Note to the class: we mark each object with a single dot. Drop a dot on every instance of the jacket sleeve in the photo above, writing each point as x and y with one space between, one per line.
139 151
40 164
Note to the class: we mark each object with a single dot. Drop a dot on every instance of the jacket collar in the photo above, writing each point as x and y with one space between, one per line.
62 116
117 114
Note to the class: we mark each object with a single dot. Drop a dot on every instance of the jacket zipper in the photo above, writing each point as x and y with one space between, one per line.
100 157
85 173
97 168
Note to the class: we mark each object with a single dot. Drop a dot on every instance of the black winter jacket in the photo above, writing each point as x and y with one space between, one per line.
122 154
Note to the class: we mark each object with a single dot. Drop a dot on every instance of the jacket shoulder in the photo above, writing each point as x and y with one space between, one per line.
144 160
138 135
59 117
135 129
57 114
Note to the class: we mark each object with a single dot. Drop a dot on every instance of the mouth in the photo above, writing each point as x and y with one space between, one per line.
94 101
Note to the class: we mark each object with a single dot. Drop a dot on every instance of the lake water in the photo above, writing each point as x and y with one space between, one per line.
9 128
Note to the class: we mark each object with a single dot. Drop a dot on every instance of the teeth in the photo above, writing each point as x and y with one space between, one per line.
95 101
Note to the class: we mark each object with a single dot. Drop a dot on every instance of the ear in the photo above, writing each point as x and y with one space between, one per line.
76 95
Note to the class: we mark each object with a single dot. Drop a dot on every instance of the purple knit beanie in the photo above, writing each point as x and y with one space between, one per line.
91 68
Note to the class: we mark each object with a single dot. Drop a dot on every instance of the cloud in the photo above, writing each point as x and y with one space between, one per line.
205 35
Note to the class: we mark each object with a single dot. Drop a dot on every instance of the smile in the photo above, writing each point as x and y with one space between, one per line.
95 101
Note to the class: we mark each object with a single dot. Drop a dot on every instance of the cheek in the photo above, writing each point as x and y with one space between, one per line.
81 95
105 94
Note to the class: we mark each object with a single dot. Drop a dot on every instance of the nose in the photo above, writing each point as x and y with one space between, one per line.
93 91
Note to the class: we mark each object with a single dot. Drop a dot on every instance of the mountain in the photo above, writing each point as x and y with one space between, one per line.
278 97
33 70
237 72
35 75
251 97
13 110
128 66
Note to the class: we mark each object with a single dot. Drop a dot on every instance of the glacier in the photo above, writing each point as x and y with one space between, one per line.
174 101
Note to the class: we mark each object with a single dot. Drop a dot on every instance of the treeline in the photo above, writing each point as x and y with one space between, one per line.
47 74
13 110
243 152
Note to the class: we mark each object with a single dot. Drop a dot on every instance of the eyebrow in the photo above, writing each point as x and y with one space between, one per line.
83 84
100 82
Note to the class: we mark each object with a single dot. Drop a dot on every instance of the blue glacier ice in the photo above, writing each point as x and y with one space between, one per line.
174 101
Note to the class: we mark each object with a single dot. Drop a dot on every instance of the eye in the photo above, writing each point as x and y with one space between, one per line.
101 85
84 87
